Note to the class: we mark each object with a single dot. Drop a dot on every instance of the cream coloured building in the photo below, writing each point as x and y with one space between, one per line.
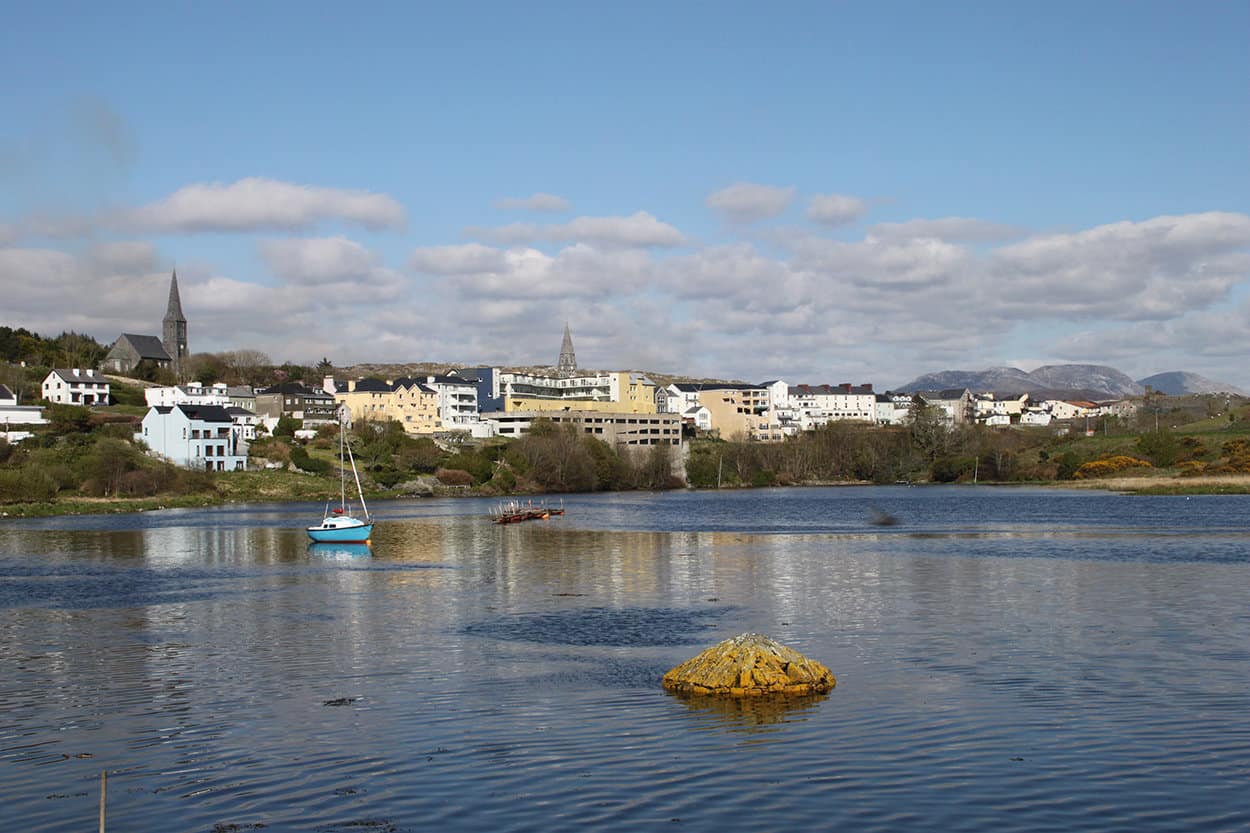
616 392
406 401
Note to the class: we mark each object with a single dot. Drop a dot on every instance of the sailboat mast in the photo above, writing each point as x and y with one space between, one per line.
342 474
359 491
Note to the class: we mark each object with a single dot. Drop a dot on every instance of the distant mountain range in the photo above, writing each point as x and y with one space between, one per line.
1084 381
1178 382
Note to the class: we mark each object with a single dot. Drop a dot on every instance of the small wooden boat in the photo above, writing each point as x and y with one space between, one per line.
511 512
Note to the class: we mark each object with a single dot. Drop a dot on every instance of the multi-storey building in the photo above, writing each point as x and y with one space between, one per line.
617 392
296 400
195 436
75 386
192 393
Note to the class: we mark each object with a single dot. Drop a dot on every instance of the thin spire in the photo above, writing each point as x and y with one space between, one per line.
568 359
174 311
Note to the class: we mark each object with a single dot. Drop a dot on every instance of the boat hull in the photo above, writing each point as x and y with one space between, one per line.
358 534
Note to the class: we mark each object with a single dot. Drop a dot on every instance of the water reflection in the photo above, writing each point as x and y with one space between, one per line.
198 655
339 552
752 712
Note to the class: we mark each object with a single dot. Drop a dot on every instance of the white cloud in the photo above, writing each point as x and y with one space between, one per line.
258 204
1154 269
955 229
835 209
465 259
639 229
124 256
539 202
575 272
344 272
318 261
747 202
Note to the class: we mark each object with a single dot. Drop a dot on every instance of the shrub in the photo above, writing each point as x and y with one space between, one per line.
1068 464
1108 466
1190 468
1160 446
454 477
949 469
303 462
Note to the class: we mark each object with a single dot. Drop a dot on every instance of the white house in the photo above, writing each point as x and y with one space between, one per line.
1123 408
698 416
192 393
816 405
987 407
955 404
1062 409
677 398
13 415
245 421
457 400
893 408
75 386
195 436
1035 416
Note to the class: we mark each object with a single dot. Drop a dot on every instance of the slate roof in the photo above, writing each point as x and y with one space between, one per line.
372 386
5 393
148 347
696 387
206 413
298 388
942 395
68 375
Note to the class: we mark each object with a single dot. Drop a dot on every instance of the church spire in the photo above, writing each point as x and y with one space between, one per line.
174 311
174 331
568 359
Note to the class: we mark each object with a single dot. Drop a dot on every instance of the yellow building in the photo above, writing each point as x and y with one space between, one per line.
740 413
408 402
619 392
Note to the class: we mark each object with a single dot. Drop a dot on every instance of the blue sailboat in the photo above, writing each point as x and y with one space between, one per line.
339 526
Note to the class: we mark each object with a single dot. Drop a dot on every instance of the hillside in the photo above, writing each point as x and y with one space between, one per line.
1088 381
1179 383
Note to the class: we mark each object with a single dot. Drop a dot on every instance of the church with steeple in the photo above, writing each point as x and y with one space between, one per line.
567 365
174 329
169 351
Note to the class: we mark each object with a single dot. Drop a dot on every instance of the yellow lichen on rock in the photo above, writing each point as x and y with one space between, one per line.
749 665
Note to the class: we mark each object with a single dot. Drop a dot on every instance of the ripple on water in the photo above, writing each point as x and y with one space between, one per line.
619 627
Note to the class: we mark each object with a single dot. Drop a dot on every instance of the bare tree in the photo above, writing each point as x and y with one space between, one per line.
248 367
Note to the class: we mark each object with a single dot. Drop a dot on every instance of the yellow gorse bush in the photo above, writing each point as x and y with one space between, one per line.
1108 466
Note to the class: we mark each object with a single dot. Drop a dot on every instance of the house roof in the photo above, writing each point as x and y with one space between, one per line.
697 387
206 413
372 386
451 380
5 393
148 347
67 373
235 410
240 391
297 388
941 395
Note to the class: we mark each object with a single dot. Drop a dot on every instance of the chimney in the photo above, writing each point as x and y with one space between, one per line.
846 386
868 386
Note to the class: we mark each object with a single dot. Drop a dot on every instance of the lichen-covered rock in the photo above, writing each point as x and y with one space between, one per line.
749 665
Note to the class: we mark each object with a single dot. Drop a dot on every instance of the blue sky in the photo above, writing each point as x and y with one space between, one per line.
819 192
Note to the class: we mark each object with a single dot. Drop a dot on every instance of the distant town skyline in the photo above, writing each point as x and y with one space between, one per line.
817 192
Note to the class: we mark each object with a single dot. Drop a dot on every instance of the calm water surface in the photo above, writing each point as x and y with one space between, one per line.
1006 660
